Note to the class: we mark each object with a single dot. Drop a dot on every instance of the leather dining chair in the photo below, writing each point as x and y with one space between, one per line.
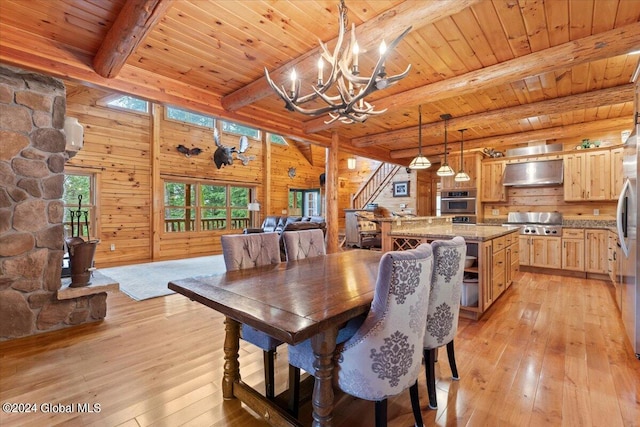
444 307
384 357
304 244
241 251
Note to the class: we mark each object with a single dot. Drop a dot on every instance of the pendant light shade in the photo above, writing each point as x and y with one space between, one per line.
462 176
420 161
445 169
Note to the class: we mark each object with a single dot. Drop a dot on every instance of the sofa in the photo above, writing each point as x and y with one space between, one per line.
289 223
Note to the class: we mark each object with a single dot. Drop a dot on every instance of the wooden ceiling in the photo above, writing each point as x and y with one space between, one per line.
509 71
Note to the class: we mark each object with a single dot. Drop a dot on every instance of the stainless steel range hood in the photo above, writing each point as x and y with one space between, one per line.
531 174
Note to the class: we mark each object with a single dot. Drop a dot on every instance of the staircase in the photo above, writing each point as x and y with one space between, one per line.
371 188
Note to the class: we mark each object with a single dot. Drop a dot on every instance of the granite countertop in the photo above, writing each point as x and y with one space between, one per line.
469 232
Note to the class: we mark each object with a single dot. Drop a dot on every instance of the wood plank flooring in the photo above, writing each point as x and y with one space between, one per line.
550 352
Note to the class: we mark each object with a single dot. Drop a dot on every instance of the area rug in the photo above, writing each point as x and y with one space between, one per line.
150 280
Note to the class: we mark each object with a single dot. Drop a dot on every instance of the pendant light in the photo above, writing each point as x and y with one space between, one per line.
420 161
445 169
462 176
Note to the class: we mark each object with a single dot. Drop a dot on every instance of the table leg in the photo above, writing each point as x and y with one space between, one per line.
323 346
231 364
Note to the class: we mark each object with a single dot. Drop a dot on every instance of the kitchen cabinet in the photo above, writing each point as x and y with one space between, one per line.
596 251
512 258
573 249
587 175
616 172
471 167
540 251
491 188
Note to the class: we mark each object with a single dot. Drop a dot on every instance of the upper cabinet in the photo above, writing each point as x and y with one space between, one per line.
491 188
471 167
587 175
616 172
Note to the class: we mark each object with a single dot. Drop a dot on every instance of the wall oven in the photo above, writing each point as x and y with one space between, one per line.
458 202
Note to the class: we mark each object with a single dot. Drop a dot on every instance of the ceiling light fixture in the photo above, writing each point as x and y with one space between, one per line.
445 169
348 105
420 161
462 176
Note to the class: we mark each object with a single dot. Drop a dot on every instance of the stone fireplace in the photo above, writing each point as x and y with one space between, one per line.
32 160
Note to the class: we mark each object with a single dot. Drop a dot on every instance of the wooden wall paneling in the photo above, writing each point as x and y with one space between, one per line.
117 142
543 199
392 204
157 189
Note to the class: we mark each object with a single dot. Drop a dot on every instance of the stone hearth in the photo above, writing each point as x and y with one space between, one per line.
32 159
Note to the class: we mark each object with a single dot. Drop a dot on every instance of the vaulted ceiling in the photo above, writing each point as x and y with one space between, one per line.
509 71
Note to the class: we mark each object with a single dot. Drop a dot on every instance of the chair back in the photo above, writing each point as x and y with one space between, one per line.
270 223
242 251
384 356
303 244
446 289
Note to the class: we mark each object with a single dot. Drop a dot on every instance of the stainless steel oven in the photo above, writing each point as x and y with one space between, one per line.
458 202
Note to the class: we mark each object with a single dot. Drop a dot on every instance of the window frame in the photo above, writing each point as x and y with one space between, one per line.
94 228
107 99
184 122
198 208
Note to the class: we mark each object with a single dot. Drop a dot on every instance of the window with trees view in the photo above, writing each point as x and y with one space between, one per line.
240 130
181 115
128 103
78 185
201 206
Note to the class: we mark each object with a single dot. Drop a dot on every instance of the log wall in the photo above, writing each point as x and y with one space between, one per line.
118 146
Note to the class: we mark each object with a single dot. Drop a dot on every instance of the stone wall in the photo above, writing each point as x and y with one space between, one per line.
32 159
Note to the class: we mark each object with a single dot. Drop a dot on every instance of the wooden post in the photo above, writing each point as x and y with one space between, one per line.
331 198
157 191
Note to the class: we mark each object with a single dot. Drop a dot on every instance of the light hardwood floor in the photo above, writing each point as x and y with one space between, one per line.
551 352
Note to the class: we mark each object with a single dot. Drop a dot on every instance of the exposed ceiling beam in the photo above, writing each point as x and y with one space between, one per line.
22 49
136 19
597 98
604 45
577 130
386 25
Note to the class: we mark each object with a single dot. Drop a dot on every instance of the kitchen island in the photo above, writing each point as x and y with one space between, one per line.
495 248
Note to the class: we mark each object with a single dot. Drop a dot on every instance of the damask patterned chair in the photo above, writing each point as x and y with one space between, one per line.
444 307
303 244
384 357
242 251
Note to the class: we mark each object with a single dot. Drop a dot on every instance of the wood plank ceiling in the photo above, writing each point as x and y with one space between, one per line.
509 71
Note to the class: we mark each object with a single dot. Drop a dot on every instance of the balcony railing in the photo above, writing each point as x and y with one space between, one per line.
180 225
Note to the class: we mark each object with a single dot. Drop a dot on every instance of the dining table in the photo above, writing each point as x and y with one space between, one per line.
291 301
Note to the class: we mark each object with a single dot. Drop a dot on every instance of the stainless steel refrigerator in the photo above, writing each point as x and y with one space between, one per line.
627 224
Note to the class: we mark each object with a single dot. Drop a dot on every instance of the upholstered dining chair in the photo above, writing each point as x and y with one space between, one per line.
300 245
444 307
384 356
241 251
304 244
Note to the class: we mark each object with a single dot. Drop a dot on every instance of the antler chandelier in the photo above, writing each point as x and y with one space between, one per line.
349 104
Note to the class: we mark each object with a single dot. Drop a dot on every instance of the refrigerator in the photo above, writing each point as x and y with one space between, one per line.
627 216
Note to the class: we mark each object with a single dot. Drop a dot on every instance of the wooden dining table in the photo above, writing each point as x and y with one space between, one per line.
291 301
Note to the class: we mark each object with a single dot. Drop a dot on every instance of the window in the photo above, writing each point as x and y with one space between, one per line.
277 139
79 205
203 206
188 117
240 130
128 103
